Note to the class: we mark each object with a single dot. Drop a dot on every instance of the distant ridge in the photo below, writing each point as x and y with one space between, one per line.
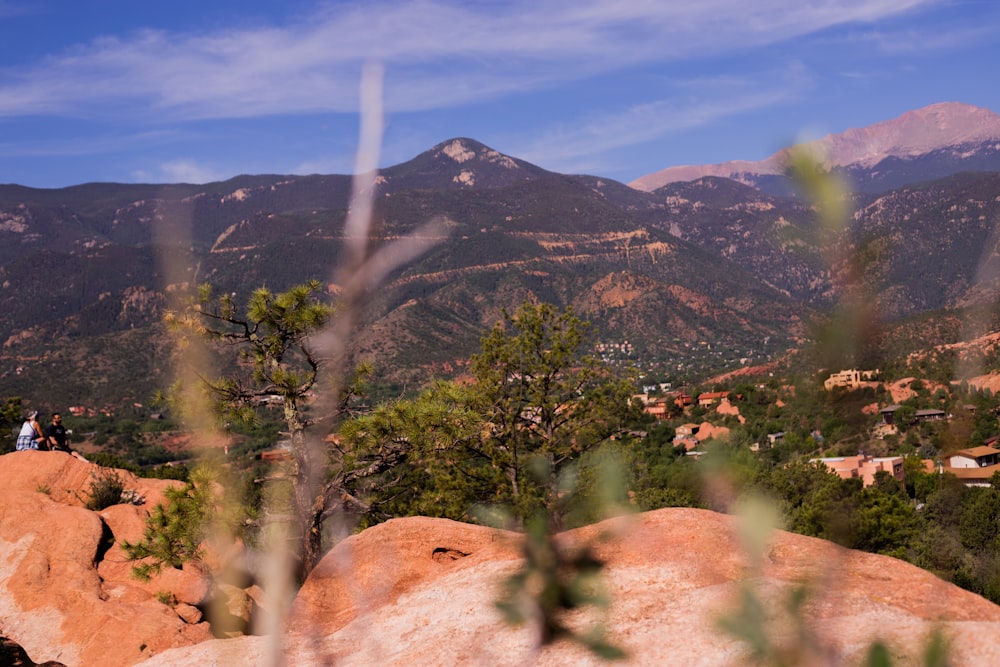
735 265
910 136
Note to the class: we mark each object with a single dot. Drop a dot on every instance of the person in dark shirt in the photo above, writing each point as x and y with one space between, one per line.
56 435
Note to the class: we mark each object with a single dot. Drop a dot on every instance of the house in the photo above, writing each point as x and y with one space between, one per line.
685 436
711 398
889 414
627 434
974 466
931 415
974 457
656 407
851 379
865 467
974 476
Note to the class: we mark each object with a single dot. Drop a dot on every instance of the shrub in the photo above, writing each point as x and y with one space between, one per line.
167 598
180 473
174 532
106 489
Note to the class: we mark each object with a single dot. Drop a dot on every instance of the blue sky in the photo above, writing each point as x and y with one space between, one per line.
156 91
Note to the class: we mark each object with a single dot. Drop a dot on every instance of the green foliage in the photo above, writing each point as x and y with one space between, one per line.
979 522
278 366
555 580
10 418
106 489
661 476
920 484
595 487
444 473
535 394
905 416
542 397
816 501
273 339
174 533
178 472
257 436
167 598
109 460
885 523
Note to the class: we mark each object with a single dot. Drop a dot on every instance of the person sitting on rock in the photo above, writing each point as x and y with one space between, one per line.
56 436
31 436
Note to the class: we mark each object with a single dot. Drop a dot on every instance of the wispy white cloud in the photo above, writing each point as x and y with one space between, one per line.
181 171
438 54
9 8
571 148
927 39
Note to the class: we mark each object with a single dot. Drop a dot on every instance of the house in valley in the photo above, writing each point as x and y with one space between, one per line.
850 379
865 467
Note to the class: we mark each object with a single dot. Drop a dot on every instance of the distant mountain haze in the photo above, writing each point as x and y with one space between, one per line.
973 132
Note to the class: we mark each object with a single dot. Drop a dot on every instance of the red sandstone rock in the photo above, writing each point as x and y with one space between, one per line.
188 613
403 593
189 585
421 591
708 430
66 479
53 600
372 569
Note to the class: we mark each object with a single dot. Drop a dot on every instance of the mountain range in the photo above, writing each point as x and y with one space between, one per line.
684 277
932 142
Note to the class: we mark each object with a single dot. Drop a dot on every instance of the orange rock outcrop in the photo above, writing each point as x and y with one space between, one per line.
65 589
421 591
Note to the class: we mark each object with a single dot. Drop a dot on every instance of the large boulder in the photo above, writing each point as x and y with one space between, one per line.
67 479
373 569
422 591
54 601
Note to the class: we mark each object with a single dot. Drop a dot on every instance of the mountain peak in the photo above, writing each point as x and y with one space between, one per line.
463 150
912 134
461 163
